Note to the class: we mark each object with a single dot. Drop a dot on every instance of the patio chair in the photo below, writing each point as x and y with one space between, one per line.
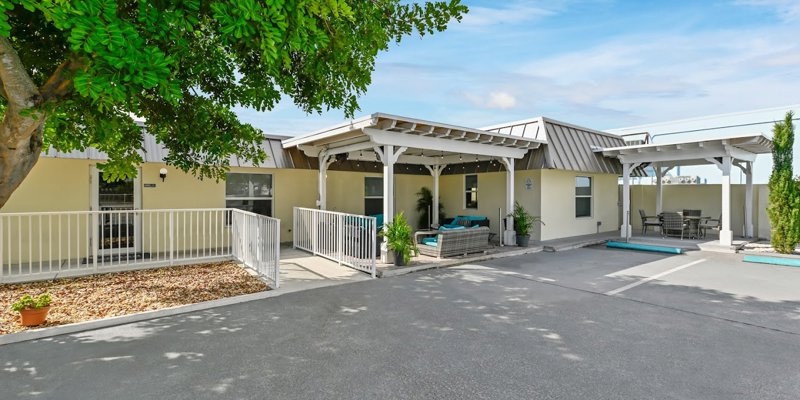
648 221
673 225
709 223
692 219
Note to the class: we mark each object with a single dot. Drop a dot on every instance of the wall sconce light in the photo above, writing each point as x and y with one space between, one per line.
162 173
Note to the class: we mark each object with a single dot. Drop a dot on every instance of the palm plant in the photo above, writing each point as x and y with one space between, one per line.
523 222
425 203
397 235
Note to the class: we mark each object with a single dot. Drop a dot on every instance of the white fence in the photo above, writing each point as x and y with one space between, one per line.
46 245
348 239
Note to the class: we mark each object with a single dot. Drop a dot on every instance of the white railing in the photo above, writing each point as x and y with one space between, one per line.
256 242
46 245
348 239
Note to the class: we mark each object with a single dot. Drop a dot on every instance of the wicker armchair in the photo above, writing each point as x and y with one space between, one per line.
673 224
648 221
454 242
709 223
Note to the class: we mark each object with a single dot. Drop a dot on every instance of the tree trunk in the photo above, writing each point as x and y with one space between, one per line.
22 126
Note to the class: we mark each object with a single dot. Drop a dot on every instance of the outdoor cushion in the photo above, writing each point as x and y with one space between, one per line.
430 241
451 227
378 219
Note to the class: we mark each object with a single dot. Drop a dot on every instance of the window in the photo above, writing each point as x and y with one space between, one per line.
583 196
373 195
471 191
249 192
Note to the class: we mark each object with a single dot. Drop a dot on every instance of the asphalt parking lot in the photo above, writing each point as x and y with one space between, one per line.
588 323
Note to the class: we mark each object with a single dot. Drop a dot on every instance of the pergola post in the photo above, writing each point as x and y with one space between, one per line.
625 229
388 156
509 235
659 190
725 232
325 160
436 172
748 200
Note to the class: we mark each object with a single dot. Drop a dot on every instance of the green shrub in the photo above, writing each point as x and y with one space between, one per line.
425 203
784 192
523 221
29 303
398 237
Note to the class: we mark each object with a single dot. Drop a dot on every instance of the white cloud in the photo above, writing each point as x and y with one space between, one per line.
500 100
483 17
788 10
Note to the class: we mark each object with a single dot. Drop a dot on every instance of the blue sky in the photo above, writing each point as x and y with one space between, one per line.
602 64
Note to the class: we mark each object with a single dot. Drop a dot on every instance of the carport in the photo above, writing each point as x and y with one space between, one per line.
725 153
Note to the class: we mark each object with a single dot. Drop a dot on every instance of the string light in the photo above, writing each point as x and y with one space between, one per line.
459 157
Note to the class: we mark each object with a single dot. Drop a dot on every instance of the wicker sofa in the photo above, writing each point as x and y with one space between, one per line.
455 242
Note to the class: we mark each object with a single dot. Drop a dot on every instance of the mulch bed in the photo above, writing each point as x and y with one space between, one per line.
121 293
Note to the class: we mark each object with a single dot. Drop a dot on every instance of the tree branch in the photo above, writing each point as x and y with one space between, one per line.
20 91
60 82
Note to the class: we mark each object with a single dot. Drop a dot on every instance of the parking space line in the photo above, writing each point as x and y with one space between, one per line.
650 278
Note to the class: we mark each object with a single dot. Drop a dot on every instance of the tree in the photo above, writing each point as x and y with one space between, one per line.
784 190
74 73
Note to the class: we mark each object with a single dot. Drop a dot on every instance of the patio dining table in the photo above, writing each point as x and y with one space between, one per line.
693 222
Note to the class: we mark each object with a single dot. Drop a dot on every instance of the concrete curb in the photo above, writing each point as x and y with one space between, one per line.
148 315
573 246
455 262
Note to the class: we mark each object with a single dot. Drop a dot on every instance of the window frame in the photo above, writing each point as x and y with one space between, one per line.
589 196
367 197
251 196
467 191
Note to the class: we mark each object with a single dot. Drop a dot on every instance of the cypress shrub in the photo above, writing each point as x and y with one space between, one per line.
784 190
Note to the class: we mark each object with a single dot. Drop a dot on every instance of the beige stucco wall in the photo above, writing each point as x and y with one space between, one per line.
491 197
53 185
346 192
707 198
558 204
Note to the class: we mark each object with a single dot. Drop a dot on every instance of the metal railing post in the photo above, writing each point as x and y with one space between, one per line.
314 238
339 234
372 243
277 253
95 239
171 237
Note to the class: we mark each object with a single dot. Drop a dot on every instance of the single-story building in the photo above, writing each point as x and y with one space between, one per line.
369 166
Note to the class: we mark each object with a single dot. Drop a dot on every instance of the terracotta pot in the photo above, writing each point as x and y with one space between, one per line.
34 317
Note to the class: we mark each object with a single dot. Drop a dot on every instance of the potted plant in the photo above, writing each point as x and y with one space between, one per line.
33 311
397 235
523 222
424 205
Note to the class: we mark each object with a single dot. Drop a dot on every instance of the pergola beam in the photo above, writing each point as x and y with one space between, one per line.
380 137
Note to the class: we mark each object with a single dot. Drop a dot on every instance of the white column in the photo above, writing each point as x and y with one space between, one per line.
748 201
436 172
509 235
325 161
625 229
659 190
388 155
725 233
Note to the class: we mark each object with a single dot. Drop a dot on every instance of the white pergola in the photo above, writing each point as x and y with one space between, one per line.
739 151
390 139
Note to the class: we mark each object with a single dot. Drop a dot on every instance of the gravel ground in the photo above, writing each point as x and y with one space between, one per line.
109 295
